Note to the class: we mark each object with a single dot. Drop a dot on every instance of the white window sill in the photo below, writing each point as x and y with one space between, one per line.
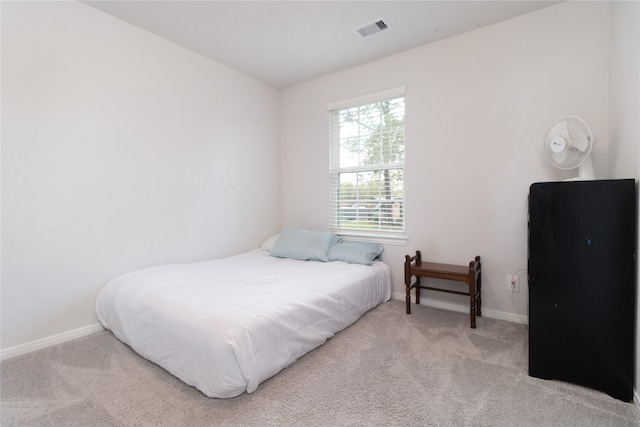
369 237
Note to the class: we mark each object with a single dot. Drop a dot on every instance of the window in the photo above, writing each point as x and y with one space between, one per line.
367 166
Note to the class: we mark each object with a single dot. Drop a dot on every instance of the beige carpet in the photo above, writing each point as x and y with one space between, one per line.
389 369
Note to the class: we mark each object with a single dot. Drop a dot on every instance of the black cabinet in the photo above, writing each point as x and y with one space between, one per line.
582 283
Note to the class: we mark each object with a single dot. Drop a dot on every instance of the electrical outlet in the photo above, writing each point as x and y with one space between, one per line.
513 283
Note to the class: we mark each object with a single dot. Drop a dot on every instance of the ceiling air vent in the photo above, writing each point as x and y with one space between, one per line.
372 28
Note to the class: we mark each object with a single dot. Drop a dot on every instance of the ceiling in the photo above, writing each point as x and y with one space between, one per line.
288 42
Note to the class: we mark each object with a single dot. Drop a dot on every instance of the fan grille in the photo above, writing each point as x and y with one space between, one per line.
568 142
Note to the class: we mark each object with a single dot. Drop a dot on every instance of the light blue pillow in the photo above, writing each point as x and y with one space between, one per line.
304 244
355 252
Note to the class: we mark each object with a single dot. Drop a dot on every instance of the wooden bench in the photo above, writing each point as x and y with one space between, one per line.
470 275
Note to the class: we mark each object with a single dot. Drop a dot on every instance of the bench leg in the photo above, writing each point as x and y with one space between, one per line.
473 302
472 310
479 295
408 298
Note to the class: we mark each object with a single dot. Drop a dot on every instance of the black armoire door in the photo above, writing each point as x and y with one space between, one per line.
582 244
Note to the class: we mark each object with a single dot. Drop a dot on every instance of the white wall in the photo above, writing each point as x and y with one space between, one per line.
624 101
119 151
478 106
624 120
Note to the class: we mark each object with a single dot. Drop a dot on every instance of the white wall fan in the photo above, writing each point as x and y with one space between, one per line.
568 144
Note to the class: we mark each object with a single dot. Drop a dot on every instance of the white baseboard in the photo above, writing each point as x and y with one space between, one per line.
97 327
49 341
493 314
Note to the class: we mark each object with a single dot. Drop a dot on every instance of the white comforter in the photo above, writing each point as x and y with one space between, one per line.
224 326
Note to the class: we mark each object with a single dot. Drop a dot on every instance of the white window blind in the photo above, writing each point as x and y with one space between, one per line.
367 166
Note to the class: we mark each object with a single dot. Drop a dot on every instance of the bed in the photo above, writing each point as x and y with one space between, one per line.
224 326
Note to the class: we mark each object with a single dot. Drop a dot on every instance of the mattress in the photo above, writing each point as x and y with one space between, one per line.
224 326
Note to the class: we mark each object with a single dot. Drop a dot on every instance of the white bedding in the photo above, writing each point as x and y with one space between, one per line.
224 326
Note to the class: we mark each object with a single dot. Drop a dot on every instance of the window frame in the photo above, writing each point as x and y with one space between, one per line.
397 237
